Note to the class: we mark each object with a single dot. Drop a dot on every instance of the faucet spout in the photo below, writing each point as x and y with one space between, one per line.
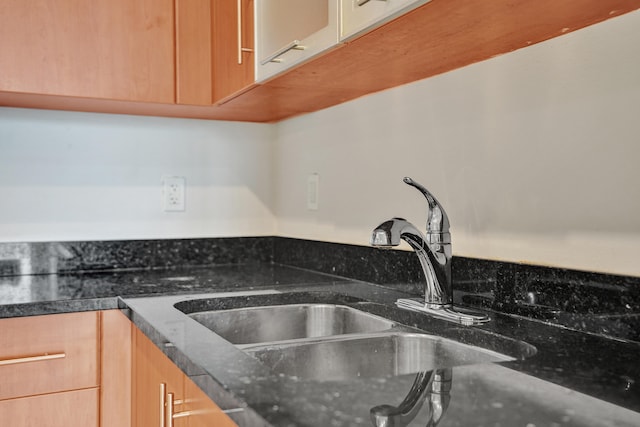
432 387
434 253
434 257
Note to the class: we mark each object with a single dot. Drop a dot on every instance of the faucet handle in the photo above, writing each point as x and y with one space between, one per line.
437 220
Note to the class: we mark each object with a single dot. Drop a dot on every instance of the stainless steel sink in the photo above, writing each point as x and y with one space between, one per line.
367 356
288 322
322 341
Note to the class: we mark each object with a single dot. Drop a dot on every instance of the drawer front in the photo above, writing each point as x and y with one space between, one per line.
46 354
70 409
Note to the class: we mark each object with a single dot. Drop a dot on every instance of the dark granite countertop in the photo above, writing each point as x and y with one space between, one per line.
30 295
573 379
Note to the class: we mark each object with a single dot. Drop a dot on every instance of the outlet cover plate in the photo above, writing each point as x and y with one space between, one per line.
173 193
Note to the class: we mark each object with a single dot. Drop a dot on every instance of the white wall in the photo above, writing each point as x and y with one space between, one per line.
80 176
534 154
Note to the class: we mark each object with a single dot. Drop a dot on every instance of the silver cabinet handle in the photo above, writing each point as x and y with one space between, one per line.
241 49
27 359
363 2
294 45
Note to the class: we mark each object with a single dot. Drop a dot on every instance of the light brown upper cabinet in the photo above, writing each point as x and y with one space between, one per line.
112 49
181 58
233 50
193 52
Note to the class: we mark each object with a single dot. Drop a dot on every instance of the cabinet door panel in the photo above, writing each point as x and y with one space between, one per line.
204 412
233 49
290 32
150 369
70 409
46 354
193 52
115 49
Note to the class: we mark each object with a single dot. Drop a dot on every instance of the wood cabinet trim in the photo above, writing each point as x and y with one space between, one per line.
115 369
435 38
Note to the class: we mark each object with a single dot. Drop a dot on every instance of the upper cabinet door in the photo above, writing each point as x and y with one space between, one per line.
193 52
289 32
233 51
114 49
360 16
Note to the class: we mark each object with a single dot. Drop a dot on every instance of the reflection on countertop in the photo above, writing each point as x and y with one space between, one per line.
572 379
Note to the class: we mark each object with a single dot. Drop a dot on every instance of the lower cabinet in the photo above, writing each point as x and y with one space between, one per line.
77 408
49 370
164 396
94 369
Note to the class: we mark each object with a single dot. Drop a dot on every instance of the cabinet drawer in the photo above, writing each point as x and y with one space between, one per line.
46 354
70 409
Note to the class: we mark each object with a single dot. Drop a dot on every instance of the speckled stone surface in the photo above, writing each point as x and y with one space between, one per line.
596 303
584 327
44 294
558 376
92 256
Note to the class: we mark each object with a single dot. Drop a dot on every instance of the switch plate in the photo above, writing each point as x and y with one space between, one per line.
173 193
313 187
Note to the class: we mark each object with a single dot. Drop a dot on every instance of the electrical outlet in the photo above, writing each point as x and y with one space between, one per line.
173 193
313 187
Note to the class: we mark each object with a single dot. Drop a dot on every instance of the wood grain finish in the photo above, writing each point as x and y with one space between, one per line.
230 76
69 409
151 368
194 79
437 37
205 413
114 49
74 334
116 361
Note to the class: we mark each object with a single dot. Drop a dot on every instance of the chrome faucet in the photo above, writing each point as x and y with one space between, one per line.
433 387
434 252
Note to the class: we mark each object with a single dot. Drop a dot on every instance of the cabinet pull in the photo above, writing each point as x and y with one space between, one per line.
170 415
241 49
28 359
163 403
294 45
170 410
363 2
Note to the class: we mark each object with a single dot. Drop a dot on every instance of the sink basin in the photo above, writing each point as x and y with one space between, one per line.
368 356
288 322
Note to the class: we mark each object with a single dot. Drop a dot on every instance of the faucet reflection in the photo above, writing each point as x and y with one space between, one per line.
434 252
432 386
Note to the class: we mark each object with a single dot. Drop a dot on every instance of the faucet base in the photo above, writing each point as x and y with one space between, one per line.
445 312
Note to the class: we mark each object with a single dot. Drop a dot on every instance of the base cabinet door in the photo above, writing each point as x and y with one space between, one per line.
77 408
204 413
155 377
164 396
